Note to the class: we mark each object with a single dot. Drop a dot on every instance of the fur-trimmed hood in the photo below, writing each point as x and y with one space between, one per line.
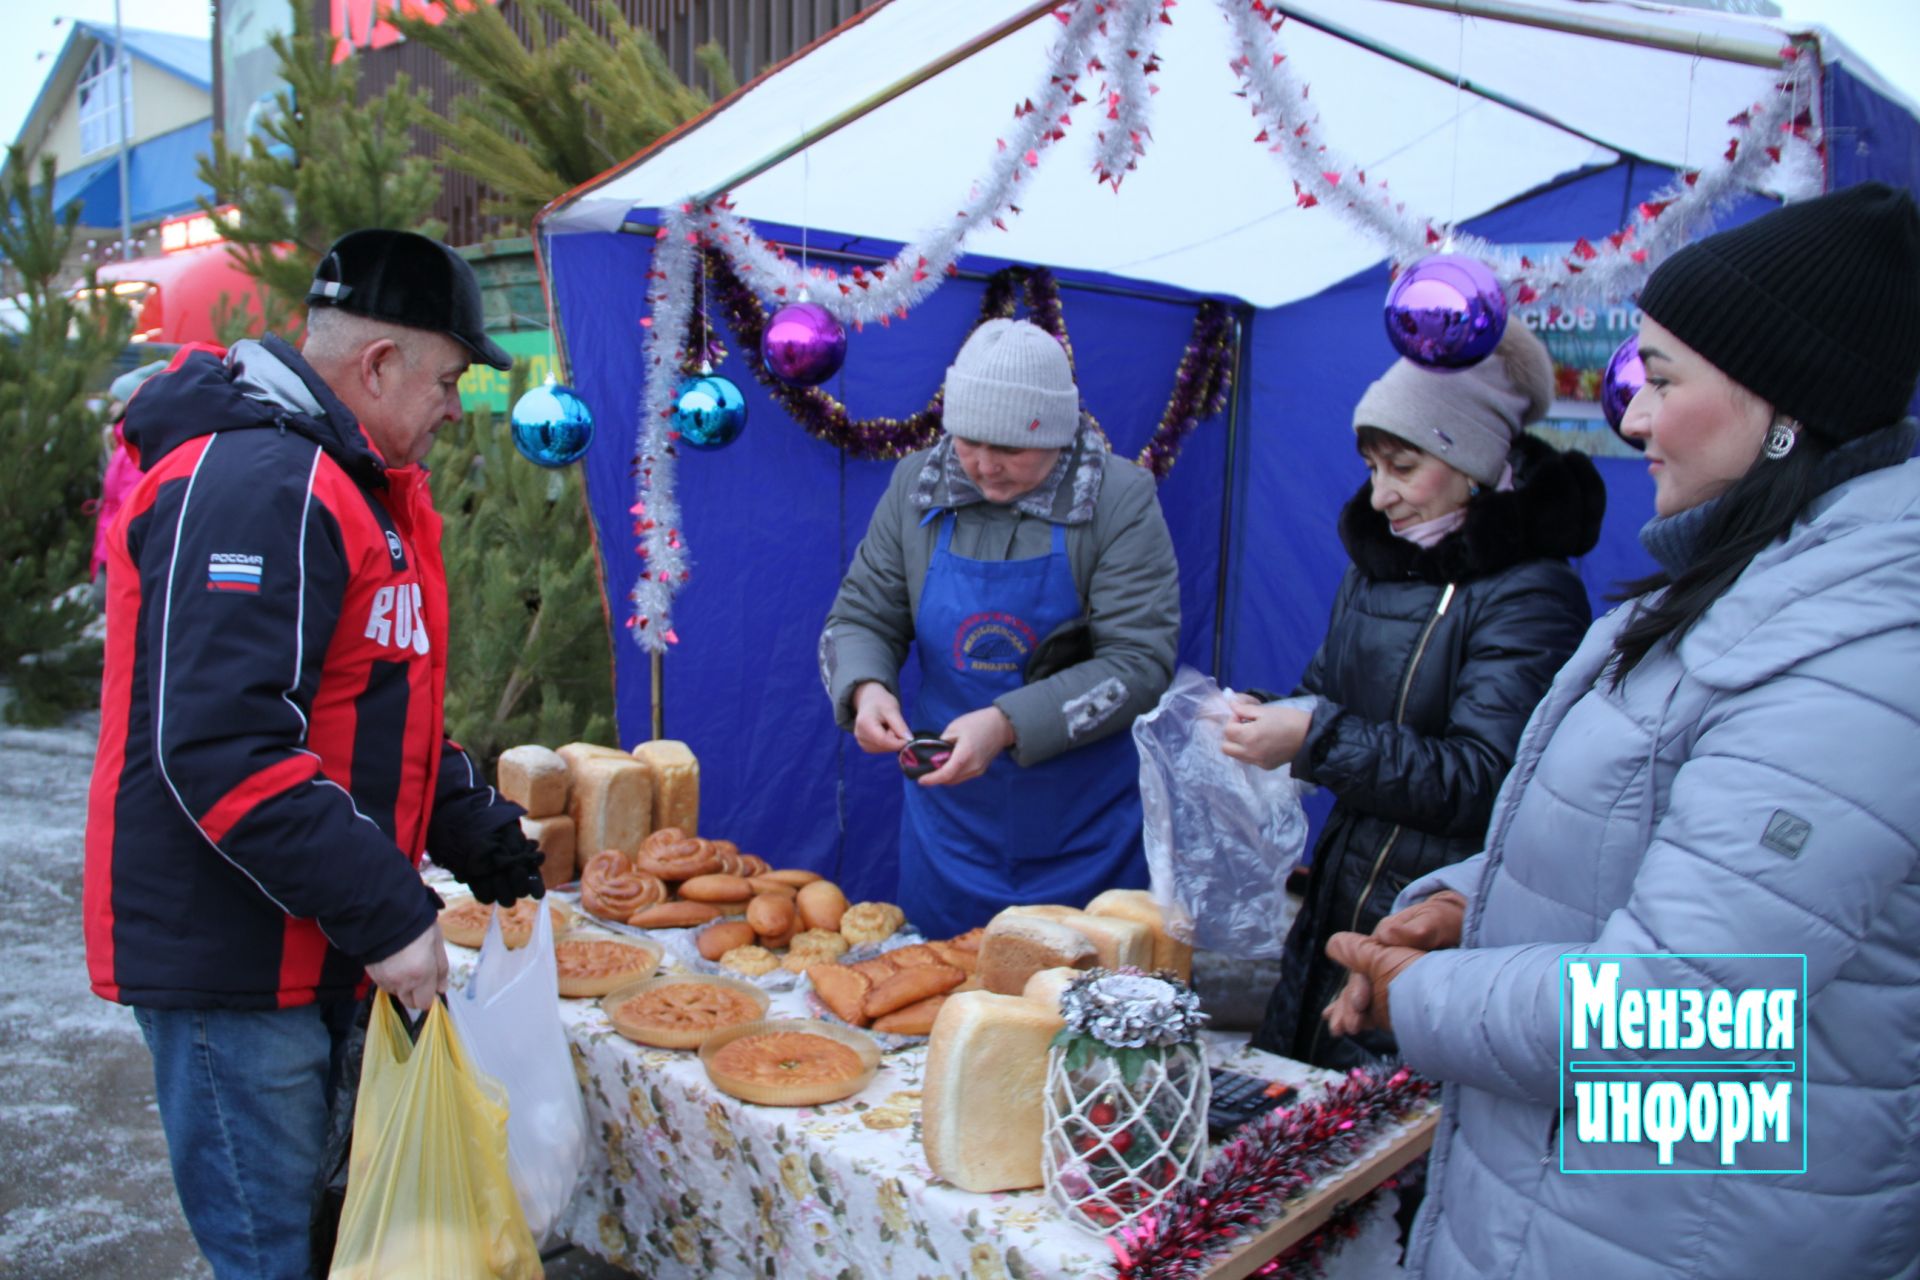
1553 511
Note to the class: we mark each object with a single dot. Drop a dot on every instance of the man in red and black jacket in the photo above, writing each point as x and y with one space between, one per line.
272 762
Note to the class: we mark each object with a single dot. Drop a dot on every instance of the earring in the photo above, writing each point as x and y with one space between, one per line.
1780 438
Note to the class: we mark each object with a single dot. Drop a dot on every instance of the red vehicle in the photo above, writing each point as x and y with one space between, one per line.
176 297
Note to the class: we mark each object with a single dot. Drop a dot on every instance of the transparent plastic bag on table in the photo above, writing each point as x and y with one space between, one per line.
428 1195
1221 835
508 1015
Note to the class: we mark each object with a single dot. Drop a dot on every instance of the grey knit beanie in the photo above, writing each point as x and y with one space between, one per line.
1010 385
1468 417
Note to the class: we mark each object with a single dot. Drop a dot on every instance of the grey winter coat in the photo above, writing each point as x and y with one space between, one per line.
1635 820
1123 564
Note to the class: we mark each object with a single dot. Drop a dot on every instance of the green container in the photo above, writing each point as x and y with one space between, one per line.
516 312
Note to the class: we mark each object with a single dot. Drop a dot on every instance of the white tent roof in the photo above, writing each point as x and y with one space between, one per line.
1208 209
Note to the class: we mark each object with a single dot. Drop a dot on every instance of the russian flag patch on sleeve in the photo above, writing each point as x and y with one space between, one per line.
230 571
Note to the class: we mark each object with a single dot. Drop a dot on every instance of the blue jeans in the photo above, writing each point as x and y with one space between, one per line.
243 1099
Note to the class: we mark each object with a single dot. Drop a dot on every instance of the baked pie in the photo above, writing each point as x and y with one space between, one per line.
595 966
463 921
791 1063
680 1013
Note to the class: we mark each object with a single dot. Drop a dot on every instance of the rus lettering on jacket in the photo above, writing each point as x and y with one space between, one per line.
397 618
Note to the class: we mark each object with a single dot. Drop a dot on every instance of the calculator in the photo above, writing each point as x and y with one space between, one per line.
1239 1099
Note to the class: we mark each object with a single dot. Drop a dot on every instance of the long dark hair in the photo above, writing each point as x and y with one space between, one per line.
1756 509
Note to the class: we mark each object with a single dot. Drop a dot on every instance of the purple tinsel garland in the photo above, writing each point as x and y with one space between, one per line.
1201 384
1271 1162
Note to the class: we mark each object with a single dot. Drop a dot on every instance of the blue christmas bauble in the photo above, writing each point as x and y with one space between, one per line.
1624 378
552 425
1446 312
709 412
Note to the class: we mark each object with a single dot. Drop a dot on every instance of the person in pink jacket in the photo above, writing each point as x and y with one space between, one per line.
123 473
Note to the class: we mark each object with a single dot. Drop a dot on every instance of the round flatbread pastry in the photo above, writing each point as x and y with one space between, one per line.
595 966
463 921
790 1062
681 1012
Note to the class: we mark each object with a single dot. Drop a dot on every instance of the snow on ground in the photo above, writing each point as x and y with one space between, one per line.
86 1192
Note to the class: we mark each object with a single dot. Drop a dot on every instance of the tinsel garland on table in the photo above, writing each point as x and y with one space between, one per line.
1308 1257
1274 1160
1201 384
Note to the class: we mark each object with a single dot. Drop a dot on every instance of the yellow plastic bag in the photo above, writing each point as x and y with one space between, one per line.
428 1193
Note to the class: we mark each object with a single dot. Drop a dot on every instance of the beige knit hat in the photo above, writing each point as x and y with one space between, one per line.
1468 417
1011 386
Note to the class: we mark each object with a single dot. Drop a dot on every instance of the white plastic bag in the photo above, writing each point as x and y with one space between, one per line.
508 1016
1220 835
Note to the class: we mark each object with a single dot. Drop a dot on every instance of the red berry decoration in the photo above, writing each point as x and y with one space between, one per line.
1102 1114
1121 1142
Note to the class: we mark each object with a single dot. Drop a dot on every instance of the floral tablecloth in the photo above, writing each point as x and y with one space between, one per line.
683 1181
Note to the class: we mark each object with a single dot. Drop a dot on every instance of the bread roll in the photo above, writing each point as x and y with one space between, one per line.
1138 905
718 939
609 804
555 837
1117 941
1015 947
675 775
535 779
717 889
674 915
981 1099
772 916
821 904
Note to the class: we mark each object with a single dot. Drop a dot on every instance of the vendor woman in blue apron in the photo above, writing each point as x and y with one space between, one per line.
1031 571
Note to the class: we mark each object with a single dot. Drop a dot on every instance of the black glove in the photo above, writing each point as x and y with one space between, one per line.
503 868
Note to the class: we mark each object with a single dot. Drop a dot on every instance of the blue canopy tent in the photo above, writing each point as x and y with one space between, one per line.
1528 145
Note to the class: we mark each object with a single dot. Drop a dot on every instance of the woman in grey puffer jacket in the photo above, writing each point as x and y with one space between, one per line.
1723 768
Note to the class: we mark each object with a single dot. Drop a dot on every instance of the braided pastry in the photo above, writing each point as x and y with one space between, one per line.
612 889
672 854
753 865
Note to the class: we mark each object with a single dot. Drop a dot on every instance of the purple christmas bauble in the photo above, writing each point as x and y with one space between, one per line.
1622 381
803 344
1446 312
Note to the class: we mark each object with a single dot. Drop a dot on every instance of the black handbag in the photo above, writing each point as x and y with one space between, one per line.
1067 645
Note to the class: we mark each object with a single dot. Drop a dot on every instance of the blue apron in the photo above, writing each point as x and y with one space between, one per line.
1060 831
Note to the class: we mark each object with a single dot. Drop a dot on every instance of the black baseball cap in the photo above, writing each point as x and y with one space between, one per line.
409 280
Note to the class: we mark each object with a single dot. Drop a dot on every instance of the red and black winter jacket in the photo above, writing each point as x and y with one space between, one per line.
272 763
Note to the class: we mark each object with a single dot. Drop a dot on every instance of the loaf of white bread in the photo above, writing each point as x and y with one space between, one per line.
1116 941
535 779
1138 905
675 776
611 801
1047 986
982 1108
556 840
1015 947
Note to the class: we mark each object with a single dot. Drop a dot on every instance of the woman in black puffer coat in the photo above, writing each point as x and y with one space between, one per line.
1455 614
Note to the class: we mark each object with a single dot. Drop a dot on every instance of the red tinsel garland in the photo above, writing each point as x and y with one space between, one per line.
1271 1162
1202 382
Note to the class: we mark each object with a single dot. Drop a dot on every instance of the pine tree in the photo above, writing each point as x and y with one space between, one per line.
548 114
528 659
326 164
53 440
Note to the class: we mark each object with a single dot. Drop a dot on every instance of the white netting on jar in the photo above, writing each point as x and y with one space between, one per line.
1115 1146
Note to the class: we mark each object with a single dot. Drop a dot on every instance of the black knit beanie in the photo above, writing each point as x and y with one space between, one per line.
1813 307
